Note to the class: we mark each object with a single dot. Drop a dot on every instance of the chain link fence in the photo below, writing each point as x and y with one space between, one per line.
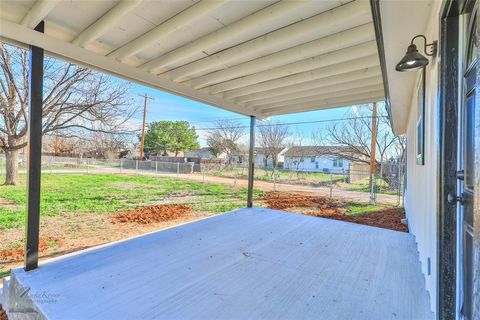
355 182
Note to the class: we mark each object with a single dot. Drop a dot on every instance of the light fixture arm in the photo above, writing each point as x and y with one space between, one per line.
432 46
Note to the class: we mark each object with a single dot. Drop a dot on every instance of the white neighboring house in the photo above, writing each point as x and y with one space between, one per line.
314 159
203 153
262 161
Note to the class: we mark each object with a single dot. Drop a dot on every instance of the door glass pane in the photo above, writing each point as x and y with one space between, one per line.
467 133
469 141
472 47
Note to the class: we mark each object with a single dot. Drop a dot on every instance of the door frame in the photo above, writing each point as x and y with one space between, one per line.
447 159
476 204
448 108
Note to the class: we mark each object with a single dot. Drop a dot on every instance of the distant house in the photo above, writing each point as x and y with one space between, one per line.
314 158
203 153
264 160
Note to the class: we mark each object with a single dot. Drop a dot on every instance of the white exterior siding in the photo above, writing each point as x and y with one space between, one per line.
319 163
422 184
260 160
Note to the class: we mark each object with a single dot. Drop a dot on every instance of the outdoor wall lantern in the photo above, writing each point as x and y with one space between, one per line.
414 60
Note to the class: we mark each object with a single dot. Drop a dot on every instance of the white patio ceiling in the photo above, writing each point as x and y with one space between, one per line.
259 57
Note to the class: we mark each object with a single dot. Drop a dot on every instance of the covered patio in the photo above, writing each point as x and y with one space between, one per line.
246 264
255 58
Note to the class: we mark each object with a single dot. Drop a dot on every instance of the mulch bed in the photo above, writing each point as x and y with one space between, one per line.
153 214
16 254
387 218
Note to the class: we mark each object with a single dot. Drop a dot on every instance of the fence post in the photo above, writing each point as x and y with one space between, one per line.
156 166
51 164
274 180
202 168
121 165
136 166
381 175
373 190
87 164
399 183
178 169
235 175
331 185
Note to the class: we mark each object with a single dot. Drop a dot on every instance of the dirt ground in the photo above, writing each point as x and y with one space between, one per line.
3 314
388 218
282 201
17 253
321 206
153 214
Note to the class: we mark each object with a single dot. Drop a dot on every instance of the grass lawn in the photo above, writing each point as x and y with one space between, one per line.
355 209
63 193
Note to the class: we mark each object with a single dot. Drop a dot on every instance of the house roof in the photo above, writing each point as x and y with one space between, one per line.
201 150
260 150
260 58
310 151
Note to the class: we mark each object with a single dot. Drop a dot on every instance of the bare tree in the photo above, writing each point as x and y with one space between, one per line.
215 143
56 144
104 145
272 139
355 133
297 142
75 99
225 137
92 144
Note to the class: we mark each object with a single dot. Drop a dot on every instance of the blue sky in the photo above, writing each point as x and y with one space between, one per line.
165 106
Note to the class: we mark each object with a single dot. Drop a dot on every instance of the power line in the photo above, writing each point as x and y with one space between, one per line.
294 123
219 119
285 123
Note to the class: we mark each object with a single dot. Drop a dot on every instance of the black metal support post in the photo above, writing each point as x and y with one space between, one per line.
251 163
32 227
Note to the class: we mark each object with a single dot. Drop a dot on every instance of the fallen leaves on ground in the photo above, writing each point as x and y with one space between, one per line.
15 254
153 214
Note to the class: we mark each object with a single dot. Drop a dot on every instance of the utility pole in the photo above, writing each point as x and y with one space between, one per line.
142 143
373 152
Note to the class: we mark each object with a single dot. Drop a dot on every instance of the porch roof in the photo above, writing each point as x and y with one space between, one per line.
261 58
246 264
396 36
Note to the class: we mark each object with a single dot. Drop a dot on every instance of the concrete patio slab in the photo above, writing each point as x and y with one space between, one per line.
246 264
